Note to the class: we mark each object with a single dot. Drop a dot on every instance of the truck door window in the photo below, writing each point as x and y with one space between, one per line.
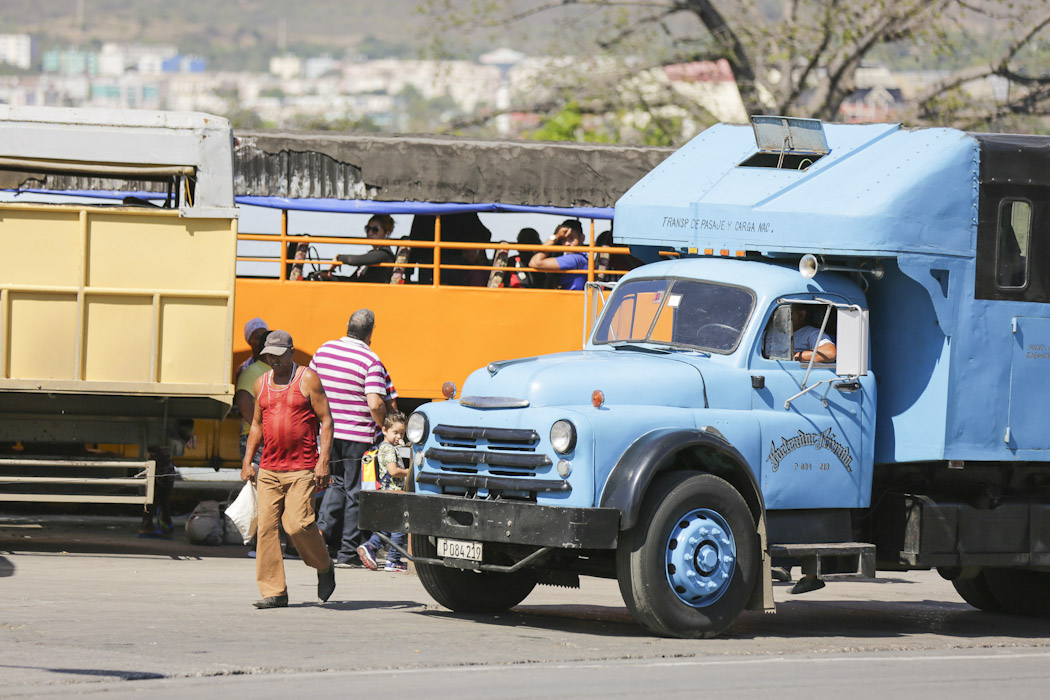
776 342
806 322
1011 264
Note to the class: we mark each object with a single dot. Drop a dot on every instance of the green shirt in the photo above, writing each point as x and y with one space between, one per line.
246 382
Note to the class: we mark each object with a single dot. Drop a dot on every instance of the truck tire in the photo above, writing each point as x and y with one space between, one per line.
469 591
1020 591
689 566
976 592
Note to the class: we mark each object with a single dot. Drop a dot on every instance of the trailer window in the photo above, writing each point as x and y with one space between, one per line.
1011 262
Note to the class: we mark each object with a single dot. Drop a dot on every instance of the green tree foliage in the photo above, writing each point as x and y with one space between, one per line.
245 119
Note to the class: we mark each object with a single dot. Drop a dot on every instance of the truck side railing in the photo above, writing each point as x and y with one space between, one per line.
437 246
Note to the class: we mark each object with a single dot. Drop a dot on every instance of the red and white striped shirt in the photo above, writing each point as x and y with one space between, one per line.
349 370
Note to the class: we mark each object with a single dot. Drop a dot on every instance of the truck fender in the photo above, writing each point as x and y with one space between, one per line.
656 451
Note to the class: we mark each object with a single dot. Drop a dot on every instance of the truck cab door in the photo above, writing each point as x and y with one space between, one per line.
813 443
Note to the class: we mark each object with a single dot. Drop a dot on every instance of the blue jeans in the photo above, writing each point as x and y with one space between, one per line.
338 514
392 556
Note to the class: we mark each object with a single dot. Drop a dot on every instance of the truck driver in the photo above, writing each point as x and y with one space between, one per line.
807 340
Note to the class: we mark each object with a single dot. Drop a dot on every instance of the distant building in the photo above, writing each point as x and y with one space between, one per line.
117 59
183 64
711 85
70 61
16 49
129 91
874 104
317 67
286 66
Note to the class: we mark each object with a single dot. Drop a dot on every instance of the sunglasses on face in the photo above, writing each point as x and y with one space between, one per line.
373 229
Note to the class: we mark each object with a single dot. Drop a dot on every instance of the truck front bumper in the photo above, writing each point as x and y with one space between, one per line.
490 521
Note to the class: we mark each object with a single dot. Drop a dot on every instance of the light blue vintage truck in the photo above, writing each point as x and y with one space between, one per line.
693 443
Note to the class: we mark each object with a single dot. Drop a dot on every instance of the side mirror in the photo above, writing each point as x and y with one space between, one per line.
851 347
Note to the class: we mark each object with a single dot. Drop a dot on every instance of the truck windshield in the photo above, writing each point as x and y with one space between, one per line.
702 315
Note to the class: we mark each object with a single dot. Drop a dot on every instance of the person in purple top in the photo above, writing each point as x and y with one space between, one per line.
568 233
357 385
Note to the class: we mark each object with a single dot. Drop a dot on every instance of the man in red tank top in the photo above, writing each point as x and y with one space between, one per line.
291 411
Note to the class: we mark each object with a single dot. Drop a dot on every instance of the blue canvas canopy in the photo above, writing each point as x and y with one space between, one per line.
356 206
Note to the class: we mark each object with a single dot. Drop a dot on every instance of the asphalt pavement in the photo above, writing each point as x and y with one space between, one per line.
89 608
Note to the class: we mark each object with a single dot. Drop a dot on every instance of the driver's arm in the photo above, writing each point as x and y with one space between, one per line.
825 353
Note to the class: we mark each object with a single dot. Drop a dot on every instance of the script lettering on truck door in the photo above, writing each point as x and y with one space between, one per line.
810 448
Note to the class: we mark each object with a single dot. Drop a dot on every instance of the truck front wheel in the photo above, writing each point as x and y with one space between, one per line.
688 567
469 591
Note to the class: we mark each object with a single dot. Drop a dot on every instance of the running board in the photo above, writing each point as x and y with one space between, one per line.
849 558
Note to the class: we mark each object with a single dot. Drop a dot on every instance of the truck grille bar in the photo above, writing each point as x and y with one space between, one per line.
494 459
457 432
493 483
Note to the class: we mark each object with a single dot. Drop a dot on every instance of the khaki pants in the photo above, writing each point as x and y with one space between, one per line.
286 497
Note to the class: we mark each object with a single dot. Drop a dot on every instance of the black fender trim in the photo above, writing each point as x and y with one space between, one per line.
654 452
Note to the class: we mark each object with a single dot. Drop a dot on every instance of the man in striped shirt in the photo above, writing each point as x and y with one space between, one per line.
357 385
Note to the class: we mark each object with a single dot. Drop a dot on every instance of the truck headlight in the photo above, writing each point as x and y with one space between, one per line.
417 428
563 436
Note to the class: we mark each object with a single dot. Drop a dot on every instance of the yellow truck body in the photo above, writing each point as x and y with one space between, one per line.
115 319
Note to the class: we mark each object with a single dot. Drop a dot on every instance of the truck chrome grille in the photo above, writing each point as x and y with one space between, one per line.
512 436
469 458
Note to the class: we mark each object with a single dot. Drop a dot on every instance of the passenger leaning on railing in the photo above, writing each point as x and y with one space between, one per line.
568 233
379 226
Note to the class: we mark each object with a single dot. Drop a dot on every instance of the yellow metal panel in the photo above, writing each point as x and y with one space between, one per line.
425 335
39 248
192 335
117 342
41 335
159 251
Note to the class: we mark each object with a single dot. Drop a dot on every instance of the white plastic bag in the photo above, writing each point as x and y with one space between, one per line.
244 512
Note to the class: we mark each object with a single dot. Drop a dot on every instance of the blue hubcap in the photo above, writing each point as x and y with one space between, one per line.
700 557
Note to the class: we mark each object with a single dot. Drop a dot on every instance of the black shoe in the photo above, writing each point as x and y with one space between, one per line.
274 601
807 584
325 584
781 573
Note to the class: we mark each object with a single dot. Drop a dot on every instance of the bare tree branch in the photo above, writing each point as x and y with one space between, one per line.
1000 67
737 55
635 28
814 61
795 56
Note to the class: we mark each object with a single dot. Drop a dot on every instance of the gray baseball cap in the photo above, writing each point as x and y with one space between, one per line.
277 343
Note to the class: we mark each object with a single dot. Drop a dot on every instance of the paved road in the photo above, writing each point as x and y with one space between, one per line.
88 609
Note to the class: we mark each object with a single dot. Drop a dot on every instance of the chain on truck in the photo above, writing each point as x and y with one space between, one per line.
685 451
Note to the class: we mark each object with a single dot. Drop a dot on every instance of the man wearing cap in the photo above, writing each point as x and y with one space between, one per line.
255 332
291 409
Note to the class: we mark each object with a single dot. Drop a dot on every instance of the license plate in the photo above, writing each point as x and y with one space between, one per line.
459 549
